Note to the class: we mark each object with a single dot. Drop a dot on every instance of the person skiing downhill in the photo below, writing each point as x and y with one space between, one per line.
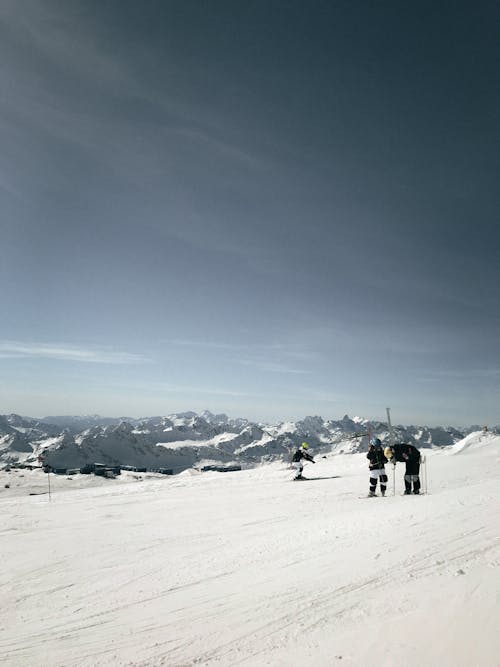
377 470
409 455
297 460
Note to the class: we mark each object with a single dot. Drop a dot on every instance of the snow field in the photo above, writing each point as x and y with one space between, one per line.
249 568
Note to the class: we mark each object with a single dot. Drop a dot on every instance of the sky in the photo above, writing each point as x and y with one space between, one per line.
269 209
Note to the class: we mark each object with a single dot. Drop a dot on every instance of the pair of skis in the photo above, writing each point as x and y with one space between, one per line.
369 495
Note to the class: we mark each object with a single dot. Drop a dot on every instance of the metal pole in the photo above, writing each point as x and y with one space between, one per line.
43 463
391 442
391 432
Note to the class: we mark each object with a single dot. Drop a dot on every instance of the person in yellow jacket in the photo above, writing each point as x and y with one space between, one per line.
298 459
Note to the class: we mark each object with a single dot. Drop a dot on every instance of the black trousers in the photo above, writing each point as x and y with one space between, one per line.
378 474
412 476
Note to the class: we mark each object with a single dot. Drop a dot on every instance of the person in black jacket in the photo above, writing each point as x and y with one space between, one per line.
298 458
377 470
409 455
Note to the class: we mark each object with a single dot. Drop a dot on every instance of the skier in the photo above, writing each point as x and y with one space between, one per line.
411 456
377 471
297 460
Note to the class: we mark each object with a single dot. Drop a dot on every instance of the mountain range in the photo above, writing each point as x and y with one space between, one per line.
185 440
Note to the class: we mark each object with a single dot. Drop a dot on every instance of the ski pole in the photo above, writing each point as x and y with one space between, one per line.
393 479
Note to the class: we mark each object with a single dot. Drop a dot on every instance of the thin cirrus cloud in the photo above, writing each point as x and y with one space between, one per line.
94 355
297 350
433 375
270 366
155 387
205 344
181 389
291 351
58 36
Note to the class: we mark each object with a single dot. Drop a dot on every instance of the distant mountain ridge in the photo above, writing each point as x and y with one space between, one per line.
184 440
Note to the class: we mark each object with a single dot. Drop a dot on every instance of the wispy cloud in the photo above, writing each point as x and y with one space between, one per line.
65 40
291 349
63 352
180 390
270 366
318 396
466 375
232 151
265 357
202 344
211 391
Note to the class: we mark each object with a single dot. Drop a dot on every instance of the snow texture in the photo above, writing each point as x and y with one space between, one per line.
249 568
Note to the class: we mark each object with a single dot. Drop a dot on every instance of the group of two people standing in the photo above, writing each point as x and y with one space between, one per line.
403 453
377 457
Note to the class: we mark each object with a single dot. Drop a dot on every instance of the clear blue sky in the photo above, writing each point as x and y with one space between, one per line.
267 208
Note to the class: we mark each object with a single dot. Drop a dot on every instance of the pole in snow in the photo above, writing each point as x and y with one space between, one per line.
42 462
391 442
424 466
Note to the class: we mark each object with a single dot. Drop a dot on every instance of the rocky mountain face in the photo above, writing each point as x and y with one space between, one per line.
184 440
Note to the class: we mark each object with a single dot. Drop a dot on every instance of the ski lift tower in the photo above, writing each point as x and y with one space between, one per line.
391 432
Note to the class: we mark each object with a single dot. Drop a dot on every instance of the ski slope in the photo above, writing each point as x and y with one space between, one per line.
249 568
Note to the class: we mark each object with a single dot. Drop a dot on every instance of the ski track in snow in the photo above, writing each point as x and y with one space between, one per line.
246 569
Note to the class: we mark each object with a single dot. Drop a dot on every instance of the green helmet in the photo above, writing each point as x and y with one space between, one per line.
305 445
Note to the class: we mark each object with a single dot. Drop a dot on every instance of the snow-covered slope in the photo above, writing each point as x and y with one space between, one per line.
473 441
249 568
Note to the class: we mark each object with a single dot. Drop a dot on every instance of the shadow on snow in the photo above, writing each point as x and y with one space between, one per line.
313 479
